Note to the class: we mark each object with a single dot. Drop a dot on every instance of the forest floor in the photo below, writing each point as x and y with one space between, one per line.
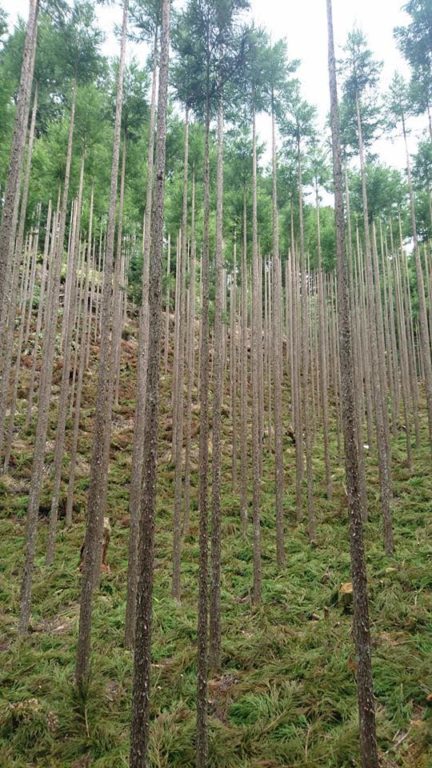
286 696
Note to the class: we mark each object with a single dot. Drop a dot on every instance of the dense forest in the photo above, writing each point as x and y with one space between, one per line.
215 394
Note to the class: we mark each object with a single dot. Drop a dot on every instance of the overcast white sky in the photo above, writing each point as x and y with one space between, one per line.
303 24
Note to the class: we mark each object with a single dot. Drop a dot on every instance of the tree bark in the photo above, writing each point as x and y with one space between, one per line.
277 362
44 393
178 415
142 648
368 742
256 352
139 417
11 197
96 500
215 548
65 382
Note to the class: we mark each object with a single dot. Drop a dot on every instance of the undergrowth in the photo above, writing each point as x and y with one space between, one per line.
286 695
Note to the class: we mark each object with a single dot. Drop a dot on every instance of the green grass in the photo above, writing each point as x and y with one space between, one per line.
286 696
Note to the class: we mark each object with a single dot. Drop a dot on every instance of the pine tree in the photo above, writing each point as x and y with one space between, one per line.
368 743
142 648
102 428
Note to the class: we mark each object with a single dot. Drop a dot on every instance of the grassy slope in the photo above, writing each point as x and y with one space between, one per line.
286 696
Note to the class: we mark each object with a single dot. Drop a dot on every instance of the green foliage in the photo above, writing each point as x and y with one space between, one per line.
361 73
386 189
209 45
415 42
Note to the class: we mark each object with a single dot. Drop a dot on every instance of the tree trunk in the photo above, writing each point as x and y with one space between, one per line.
244 379
139 417
277 362
256 350
65 382
85 331
215 579
178 415
423 321
203 587
142 649
368 742
381 416
96 500
11 197
45 393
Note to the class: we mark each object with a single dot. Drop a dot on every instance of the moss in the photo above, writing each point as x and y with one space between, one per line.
286 695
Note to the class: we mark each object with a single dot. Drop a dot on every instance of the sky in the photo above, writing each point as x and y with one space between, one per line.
304 26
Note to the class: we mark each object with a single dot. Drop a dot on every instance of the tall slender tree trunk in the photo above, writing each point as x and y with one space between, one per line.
96 501
50 228
322 341
179 394
201 754
119 282
425 347
139 418
244 379
10 205
215 580
381 415
256 351
190 369
142 648
368 742
65 382
277 361
45 393
7 326
85 332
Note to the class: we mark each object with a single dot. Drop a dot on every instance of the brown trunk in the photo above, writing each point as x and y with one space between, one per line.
11 197
277 362
256 354
244 380
96 500
119 283
368 743
378 379
178 415
65 382
45 394
322 342
215 578
142 648
190 369
85 331
425 348
203 587
139 417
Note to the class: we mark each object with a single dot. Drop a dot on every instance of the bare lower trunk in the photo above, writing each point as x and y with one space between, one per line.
381 417
190 370
10 205
256 349
277 353
368 742
85 331
65 382
139 417
244 380
102 426
44 396
142 650
215 579
178 415
202 629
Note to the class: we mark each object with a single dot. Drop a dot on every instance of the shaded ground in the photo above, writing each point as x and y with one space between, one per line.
286 694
